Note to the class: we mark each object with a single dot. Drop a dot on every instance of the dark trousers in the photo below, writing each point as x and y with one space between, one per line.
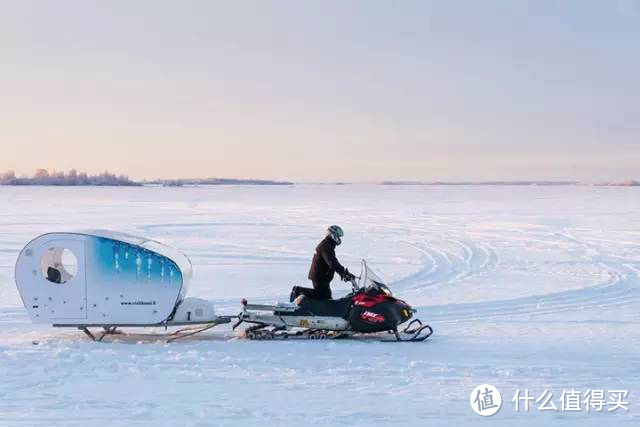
321 290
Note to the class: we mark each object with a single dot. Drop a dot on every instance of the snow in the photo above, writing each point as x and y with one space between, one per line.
526 287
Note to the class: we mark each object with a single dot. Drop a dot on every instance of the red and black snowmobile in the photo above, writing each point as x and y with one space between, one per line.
370 310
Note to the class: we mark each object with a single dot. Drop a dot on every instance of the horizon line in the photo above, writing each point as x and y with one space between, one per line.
42 173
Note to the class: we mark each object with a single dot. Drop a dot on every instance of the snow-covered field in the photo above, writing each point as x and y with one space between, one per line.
532 288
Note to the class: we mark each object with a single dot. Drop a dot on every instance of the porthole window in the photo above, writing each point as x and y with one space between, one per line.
59 265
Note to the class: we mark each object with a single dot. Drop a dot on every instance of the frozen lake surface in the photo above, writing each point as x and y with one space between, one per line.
532 288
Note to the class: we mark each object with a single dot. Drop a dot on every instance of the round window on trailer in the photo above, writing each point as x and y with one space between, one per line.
58 265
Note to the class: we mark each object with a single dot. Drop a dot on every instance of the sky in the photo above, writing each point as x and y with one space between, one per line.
323 90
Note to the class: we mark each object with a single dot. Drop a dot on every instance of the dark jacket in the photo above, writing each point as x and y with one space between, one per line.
324 263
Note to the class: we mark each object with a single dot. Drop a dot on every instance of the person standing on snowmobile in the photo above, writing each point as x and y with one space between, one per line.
323 267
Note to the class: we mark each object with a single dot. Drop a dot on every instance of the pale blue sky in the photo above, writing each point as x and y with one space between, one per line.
326 90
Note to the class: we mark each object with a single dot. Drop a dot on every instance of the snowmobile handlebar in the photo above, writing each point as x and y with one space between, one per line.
348 276
354 284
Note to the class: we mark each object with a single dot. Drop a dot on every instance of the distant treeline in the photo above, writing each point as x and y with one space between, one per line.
619 184
215 181
73 177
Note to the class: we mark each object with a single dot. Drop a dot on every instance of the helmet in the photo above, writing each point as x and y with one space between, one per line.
336 233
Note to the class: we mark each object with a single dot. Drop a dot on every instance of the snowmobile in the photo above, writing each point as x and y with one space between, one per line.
369 310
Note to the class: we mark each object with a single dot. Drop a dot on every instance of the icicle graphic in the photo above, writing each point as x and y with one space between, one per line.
138 265
116 258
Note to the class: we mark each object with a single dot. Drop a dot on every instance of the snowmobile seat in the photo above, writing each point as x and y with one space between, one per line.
330 307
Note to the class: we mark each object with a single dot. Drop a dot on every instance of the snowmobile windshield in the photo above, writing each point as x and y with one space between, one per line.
371 281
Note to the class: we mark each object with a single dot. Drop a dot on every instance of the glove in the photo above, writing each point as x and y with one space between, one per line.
347 276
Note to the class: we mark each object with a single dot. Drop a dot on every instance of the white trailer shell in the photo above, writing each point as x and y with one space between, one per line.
117 279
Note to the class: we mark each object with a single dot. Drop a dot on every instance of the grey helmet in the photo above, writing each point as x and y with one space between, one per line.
336 233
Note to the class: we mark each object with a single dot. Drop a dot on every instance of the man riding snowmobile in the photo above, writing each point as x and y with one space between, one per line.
370 309
323 268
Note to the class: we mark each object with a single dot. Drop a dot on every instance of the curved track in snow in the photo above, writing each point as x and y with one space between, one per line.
442 268
445 267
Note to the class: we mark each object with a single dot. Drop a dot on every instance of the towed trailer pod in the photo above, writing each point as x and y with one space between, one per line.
108 279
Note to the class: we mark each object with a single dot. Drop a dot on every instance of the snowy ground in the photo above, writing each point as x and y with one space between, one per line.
526 287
